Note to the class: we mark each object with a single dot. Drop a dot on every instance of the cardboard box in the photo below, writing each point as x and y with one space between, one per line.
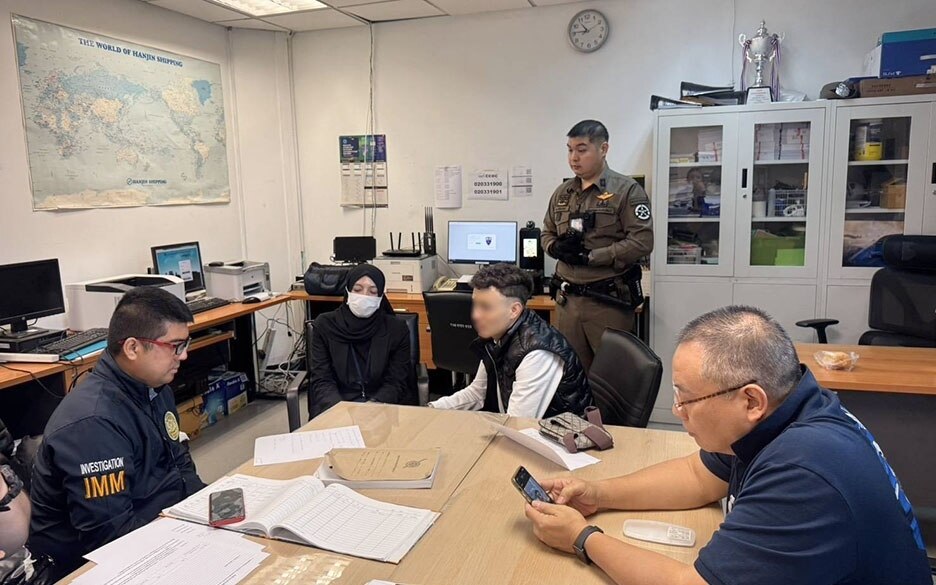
898 86
192 416
909 52
235 391
215 403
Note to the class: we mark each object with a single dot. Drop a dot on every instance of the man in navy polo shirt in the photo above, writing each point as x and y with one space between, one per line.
810 497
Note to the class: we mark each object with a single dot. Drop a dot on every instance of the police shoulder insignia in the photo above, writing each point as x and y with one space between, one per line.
172 426
642 212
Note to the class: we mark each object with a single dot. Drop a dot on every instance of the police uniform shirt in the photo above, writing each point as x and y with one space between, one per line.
110 461
812 500
623 228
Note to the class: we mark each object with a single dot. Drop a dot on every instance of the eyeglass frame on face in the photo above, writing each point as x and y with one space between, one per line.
178 347
678 405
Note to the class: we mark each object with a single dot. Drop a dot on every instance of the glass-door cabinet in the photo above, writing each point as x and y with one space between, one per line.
697 171
879 175
779 204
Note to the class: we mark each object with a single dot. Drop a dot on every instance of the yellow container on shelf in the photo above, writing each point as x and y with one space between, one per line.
868 144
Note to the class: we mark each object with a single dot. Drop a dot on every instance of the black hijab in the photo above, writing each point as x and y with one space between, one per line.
345 326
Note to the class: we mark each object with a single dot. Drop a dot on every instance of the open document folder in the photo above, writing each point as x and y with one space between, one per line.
380 468
304 511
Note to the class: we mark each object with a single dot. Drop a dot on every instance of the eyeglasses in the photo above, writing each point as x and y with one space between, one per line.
678 405
178 347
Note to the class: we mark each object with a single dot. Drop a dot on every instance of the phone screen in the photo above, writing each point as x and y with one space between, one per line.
528 486
226 507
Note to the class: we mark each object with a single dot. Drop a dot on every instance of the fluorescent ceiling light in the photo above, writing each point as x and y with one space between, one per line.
268 7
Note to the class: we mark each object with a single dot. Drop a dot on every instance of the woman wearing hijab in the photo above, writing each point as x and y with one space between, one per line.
359 352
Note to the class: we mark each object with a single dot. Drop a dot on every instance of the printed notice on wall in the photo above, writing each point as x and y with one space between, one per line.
521 181
489 184
363 170
448 187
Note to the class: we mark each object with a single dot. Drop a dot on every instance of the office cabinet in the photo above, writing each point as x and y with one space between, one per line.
782 207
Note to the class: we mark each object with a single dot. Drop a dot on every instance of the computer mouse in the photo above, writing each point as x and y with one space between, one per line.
251 300
216 263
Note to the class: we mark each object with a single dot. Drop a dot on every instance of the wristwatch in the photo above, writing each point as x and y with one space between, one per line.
579 545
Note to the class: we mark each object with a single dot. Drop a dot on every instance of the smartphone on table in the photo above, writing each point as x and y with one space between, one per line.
226 507
529 488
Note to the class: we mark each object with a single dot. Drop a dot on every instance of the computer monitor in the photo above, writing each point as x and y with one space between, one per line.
30 290
482 242
182 260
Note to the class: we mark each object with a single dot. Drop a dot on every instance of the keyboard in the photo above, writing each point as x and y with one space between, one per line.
206 304
73 342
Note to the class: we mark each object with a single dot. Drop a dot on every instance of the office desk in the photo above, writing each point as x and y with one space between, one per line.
901 370
481 536
34 389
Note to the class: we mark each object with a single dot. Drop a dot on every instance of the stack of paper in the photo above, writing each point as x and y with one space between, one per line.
532 440
380 468
710 145
305 445
169 551
794 142
766 142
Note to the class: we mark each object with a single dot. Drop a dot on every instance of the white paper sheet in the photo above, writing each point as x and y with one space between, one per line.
307 445
532 440
521 181
172 552
448 187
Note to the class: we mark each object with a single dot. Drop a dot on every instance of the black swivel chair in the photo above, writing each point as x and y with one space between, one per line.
412 382
452 331
902 308
625 379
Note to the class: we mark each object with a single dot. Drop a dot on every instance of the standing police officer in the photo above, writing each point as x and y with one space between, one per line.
597 226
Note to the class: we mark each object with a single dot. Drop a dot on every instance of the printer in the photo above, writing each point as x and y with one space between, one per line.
237 280
408 274
92 302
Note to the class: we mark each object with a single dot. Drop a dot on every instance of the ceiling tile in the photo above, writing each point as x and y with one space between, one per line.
474 6
199 9
313 20
251 23
554 2
395 10
343 3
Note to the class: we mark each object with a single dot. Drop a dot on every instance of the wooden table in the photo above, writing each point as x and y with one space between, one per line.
903 370
481 536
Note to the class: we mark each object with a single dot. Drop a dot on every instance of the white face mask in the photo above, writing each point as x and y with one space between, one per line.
363 306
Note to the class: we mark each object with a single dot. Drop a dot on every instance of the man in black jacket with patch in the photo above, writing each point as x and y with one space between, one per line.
528 369
112 455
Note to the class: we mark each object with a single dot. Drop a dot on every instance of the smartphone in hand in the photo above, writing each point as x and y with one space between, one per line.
226 507
529 488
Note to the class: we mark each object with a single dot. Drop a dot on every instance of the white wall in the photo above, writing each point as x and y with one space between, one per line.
501 89
101 242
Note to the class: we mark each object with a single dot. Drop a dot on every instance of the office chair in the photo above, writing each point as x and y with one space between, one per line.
625 379
452 331
416 382
902 307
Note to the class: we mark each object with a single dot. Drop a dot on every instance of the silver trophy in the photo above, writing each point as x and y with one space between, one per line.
760 50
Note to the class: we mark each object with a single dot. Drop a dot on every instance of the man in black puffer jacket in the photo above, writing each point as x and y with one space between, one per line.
528 369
